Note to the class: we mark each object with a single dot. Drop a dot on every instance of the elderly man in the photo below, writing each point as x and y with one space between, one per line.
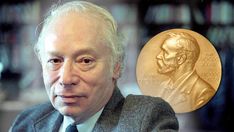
81 57
185 90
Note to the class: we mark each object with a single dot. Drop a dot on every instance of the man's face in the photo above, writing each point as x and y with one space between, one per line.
166 59
76 66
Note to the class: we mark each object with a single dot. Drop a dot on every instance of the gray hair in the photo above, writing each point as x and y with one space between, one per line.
187 44
110 32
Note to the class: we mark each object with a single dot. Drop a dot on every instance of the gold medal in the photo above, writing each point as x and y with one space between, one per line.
182 67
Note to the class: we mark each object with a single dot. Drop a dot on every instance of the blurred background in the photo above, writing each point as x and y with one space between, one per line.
21 83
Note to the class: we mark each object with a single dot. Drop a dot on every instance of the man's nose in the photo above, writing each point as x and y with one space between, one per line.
67 75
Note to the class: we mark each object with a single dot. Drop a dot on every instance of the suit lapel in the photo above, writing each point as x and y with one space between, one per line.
51 122
188 85
110 116
183 93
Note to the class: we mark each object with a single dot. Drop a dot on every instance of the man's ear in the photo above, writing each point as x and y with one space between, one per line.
116 71
181 59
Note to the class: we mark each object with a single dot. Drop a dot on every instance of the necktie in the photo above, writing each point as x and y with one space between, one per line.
71 128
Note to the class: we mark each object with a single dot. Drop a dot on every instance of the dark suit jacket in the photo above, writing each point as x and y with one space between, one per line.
133 114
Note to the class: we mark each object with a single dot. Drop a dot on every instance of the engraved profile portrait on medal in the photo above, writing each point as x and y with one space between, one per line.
182 67
184 88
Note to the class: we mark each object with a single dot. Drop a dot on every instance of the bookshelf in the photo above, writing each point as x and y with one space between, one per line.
19 19
201 16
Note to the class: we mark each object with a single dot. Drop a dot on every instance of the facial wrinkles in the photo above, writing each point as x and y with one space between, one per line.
70 44
69 53
88 31
74 71
167 58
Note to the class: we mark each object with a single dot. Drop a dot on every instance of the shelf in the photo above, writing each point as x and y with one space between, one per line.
155 2
6 27
10 2
178 25
176 2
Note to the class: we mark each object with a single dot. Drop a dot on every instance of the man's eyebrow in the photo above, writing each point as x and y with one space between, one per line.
85 51
54 53
76 53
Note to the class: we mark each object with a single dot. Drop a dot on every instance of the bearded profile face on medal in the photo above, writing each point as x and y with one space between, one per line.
179 53
176 61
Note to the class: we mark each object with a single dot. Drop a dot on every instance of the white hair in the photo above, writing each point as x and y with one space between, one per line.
187 44
112 38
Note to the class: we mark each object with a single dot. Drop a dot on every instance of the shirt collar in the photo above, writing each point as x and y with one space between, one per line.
86 126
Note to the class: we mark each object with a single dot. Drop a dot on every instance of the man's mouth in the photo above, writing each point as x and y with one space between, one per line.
69 99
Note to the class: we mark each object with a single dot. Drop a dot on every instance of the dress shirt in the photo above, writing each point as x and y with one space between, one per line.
86 126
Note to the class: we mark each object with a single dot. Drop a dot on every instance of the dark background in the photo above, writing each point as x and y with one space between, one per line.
20 73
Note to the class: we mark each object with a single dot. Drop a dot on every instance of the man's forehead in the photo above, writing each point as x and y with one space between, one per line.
170 44
74 30
73 20
75 52
72 27
58 45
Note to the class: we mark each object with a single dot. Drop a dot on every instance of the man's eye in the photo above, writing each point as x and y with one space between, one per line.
86 63
86 60
55 61
54 64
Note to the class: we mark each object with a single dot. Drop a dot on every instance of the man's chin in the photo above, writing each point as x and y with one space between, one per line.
69 111
76 115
